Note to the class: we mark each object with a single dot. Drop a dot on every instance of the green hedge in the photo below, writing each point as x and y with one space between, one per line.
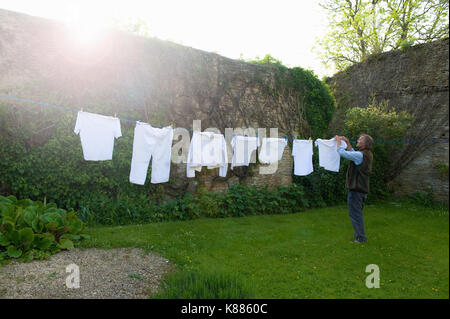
240 200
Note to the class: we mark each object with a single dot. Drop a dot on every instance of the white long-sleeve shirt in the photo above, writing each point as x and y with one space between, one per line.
352 155
207 149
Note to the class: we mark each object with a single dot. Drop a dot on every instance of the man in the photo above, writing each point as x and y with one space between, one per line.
357 180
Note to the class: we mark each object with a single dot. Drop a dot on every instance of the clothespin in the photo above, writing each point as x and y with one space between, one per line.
309 138
285 138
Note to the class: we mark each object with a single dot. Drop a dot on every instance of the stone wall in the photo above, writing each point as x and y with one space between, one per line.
415 80
147 79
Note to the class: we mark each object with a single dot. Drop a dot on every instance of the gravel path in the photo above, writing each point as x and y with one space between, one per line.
114 273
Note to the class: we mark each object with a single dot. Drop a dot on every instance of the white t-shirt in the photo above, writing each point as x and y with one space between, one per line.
302 151
271 150
97 133
329 157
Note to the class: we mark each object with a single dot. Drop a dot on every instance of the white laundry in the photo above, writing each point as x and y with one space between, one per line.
243 147
271 150
302 151
151 143
207 149
329 158
97 133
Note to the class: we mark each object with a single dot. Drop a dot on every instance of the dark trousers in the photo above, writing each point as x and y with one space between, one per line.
355 201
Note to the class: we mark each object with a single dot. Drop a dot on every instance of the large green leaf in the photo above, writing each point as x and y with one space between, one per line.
29 215
37 225
26 235
19 212
3 241
7 227
51 217
13 252
12 198
66 244
51 226
3 199
15 237
42 243
24 202
7 210
75 227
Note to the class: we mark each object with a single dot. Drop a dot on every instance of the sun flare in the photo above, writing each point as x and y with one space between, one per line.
84 27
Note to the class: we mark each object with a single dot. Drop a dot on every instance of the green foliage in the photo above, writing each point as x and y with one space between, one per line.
34 230
204 285
50 165
442 168
426 199
316 105
322 187
406 44
388 128
44 159
267 60
379 121
359 28
240 200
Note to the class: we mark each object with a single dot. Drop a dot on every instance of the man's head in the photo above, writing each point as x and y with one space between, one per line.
365 142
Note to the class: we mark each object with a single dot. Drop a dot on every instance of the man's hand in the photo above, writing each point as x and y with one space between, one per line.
338 139
349 146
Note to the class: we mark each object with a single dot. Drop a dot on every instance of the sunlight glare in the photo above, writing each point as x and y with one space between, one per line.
85 26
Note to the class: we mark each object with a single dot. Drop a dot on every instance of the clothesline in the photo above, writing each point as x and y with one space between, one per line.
406 141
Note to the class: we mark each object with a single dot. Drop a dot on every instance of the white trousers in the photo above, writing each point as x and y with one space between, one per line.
151 143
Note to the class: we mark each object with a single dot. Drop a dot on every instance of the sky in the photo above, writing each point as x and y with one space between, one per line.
285 29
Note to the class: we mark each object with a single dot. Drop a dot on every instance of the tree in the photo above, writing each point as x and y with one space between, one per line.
359 28
136 26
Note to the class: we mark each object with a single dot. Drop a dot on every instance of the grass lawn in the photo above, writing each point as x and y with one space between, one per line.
307 254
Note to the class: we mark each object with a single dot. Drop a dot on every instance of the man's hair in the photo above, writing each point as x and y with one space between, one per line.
368 141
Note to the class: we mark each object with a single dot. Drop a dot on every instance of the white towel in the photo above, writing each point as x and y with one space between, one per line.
302 151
